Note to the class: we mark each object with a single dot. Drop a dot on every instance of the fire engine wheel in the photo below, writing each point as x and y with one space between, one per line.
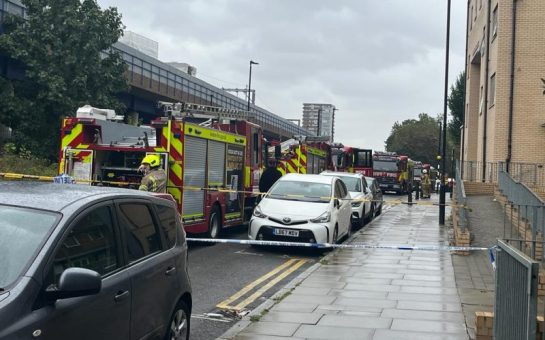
214 223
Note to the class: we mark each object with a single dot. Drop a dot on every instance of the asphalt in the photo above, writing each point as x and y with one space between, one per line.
371 293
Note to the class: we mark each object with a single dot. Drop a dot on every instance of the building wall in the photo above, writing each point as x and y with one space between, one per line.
311 113
528 143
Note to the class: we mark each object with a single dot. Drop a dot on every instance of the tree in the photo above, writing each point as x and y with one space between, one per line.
61 44
456 107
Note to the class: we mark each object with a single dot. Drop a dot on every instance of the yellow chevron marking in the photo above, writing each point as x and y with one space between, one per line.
68 139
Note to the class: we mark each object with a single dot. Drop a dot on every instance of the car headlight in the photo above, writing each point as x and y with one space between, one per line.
259 213
356 204
323 218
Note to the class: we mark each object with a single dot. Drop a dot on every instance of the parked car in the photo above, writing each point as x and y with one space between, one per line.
303 208
361 195
91 263
378 201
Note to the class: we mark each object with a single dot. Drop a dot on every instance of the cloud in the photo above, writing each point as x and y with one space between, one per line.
377 61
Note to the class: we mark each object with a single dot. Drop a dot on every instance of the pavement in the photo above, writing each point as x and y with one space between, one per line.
375 293
473 273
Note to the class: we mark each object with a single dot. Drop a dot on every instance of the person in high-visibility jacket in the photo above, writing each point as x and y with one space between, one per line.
426 184
155 178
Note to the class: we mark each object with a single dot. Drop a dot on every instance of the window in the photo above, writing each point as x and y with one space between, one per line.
492 91
142 236
494 22
90 244
167 218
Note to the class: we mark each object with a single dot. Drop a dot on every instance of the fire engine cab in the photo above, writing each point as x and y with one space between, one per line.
212 157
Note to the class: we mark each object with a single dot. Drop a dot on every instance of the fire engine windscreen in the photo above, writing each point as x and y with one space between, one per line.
385 165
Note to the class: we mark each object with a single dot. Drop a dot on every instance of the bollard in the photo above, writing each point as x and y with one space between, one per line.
410 195
417 191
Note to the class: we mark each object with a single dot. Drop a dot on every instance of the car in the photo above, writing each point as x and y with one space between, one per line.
362 207
91 262
378 201
303 208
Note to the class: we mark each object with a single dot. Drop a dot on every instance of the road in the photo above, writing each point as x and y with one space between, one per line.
224 276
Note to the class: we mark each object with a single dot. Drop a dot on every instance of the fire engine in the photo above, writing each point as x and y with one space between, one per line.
212 157
303 155
392 171
350 159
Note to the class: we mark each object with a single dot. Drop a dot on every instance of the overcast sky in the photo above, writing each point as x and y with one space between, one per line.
377 61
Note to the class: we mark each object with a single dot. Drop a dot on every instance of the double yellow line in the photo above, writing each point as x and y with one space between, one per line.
277 275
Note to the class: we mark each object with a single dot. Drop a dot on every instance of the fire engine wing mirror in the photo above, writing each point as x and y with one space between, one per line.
277 152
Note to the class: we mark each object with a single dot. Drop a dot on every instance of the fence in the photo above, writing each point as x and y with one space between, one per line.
532 174
515 308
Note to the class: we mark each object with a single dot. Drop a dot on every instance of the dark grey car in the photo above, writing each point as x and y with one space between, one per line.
82 262
378 201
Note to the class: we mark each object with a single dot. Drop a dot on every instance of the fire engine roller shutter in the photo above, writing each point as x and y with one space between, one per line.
194 176
310 160
216 163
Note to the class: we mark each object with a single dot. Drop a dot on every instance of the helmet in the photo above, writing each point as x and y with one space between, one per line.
424 171
153 160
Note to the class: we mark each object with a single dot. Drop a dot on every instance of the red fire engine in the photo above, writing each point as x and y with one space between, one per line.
303 155
391 171
351 159
200 154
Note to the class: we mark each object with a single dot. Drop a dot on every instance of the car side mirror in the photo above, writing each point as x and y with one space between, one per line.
76 282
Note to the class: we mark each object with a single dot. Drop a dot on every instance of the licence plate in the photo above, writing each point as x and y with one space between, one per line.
286 232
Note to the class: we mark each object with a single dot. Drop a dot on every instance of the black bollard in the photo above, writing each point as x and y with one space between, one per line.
410 195
417 190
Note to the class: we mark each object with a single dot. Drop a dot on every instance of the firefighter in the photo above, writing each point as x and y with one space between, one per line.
269 176
155 178
426 184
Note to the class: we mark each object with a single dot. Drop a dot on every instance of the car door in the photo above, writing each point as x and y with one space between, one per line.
152 270
346 206
92 241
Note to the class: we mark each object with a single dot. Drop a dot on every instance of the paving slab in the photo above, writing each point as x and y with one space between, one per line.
334 332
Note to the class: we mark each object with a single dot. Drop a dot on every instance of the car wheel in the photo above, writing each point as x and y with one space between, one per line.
214 223
335 236
379 211
371 214
179 323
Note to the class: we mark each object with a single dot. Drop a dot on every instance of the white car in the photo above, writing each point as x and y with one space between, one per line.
362 197
303 208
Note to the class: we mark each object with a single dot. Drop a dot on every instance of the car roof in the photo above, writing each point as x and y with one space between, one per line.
55 197
344 174
307 178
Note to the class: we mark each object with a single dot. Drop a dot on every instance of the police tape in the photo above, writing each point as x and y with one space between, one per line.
64 179
337 246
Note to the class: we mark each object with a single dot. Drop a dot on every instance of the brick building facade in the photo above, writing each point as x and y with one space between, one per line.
504 82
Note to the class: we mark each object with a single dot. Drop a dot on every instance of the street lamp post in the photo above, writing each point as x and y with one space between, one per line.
442 199
250 82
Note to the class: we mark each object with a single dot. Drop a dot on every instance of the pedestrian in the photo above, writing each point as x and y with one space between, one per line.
426 184
269 176
155 178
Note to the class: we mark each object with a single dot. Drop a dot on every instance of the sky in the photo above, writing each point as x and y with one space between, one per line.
377 61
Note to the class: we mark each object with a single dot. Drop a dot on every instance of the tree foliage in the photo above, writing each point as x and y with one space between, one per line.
60 44
416 138
456 107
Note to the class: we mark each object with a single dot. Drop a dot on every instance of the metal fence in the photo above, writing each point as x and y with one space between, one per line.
461 199
515 308
532 174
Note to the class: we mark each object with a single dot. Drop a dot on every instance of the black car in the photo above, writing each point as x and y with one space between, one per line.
372 183
82 262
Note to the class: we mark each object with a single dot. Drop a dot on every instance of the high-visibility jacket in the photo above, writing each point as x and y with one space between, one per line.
155 181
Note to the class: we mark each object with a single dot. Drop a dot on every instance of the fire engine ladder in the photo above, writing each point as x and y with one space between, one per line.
183 109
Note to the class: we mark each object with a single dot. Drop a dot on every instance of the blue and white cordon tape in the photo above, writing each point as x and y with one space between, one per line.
341 246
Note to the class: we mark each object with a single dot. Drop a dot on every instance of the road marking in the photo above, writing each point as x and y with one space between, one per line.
289 267
269 285
243 252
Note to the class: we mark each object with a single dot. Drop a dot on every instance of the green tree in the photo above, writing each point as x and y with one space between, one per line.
456 107
61 44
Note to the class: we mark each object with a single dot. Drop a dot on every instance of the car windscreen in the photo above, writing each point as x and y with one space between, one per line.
352 183
301 191
385 166
22 231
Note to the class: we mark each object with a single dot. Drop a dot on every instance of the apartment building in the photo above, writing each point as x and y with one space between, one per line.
319 119
505 105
